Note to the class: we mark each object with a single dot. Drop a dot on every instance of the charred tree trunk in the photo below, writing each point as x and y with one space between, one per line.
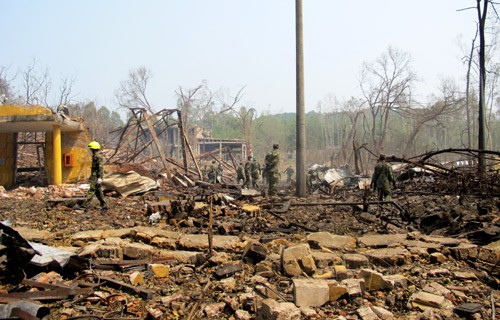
482 80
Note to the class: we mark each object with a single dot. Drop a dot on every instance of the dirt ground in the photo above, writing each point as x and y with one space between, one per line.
196 291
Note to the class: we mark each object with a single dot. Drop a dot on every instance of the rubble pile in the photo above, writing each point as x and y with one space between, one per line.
219 252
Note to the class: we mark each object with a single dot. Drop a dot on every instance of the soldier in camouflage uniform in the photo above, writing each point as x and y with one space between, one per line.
212 173
248 173
218 173
264 174
272 169
289 173
240 176
383 179
96 176
311 178
255 172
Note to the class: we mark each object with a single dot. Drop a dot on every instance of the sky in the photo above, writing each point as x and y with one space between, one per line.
232 44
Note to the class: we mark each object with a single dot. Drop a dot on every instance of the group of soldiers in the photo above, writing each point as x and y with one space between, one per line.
383 179
248 174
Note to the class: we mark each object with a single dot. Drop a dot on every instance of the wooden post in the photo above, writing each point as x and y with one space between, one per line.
183 140
158 146
209 231
192 155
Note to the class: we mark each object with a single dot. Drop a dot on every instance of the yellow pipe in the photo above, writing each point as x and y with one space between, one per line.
56 147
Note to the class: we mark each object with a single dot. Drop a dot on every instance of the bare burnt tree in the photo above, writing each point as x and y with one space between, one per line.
64 95
469 60
327 106
193 99
132 92
226 101
200 104
491 86
386 86
353 110
36 86
246 117
482 16
66 91
449 103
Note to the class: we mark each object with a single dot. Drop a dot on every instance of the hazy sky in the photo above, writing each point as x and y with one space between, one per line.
231 44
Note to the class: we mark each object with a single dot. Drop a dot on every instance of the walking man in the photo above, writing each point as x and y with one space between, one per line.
383 179
255 172
240 176
289 173
96 176
248 172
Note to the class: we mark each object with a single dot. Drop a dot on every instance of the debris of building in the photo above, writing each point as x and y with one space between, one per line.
224 255
173 246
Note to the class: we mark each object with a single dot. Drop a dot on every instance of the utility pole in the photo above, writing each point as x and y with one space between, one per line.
300 163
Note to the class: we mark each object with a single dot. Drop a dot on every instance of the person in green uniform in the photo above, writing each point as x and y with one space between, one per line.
309 180
255 172
264 174
96 176
289 173
240 176
248 172
383 179
212 173
272 168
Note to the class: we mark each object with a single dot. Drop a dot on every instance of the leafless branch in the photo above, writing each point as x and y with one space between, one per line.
467 8
35 87
229 106
65 90
132 92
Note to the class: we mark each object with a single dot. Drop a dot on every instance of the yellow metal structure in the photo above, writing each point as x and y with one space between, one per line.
56 143
7 160
62 136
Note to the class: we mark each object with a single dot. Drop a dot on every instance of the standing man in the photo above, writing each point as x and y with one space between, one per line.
248 172
240 176
96 176
264 174
309 180
272 169
212 172
383 179
255 172
218 173
289 173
